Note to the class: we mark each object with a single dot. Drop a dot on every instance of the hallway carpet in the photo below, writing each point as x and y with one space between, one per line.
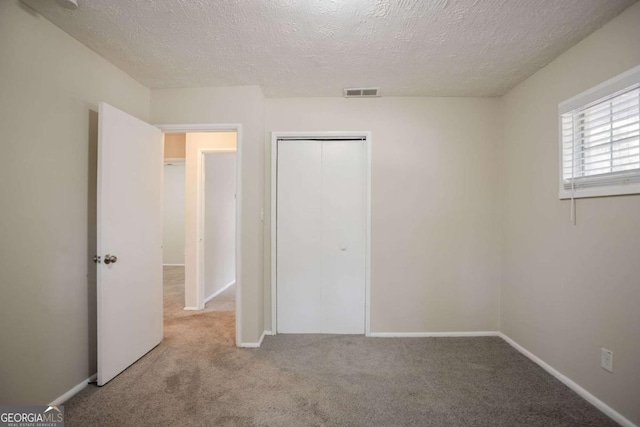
196 377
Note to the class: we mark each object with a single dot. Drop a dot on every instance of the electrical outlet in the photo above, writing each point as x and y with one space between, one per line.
606 359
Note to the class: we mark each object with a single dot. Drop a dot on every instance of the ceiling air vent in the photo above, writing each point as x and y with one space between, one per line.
368 92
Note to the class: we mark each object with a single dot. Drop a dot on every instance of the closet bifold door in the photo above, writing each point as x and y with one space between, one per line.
320 231
299 237
343 237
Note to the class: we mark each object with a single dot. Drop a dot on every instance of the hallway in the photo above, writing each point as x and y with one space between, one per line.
224 304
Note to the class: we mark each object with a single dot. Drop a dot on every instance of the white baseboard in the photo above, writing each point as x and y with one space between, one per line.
606 409
73 391
253 344
269 333
219 291
191 309
433 334
173 265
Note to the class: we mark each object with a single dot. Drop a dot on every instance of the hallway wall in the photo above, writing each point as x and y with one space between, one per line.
219 221
173 214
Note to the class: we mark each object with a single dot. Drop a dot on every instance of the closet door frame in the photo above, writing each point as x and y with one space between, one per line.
366 136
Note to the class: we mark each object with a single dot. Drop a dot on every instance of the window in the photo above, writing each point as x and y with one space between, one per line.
600 139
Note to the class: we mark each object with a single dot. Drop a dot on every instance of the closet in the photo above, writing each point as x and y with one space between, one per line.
321 235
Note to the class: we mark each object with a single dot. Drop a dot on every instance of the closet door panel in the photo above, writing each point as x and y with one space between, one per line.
343 237
299 237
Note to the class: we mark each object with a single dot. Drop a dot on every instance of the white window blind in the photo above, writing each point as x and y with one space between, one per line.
600 145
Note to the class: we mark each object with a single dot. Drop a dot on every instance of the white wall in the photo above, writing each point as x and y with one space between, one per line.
568 290
173 214
244 105
50 86
219 221
435 255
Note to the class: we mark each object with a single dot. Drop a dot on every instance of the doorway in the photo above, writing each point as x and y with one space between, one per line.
211 207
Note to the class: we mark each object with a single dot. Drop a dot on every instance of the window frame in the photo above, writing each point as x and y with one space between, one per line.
603 90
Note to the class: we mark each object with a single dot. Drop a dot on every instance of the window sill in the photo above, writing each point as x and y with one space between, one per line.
618 190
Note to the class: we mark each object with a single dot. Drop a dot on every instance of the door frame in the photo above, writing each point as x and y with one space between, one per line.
199 285
274 218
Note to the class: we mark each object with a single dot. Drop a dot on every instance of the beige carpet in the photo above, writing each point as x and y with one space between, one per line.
196 377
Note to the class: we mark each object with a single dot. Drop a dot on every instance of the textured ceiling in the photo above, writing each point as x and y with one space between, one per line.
317 47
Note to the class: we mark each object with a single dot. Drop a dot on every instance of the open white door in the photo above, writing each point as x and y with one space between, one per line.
129 240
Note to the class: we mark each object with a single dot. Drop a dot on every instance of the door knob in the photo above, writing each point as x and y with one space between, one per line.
110 259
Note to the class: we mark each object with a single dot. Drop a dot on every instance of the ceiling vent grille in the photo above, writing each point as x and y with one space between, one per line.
368 92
